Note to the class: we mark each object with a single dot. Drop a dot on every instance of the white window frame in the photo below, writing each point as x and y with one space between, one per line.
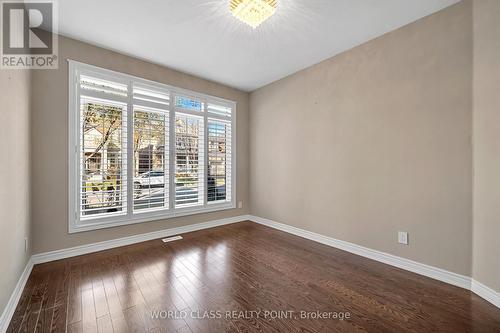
131 217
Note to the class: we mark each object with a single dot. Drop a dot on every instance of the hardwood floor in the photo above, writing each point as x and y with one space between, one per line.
241 267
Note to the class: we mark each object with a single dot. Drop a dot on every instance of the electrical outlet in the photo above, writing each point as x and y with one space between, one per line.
171 239
240 204
403 237
26 244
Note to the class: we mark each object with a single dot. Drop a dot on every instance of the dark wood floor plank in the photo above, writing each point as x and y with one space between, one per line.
287 287
75 327
101 302
89 320
59 319
39 293
104 324
134 319
240 267
74 297
119 323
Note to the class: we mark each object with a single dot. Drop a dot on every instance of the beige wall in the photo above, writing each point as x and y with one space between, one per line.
486 267
50 145
14 178
375 140
372 141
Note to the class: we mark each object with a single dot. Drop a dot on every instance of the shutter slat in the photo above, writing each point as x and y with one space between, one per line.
189 157
151 159
219 160
103 144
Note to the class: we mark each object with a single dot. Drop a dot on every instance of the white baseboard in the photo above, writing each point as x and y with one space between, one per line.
462 281
95 247
485 292
106 245
8 312
455 279
403 263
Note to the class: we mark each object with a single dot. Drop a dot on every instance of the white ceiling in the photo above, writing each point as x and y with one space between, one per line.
201 37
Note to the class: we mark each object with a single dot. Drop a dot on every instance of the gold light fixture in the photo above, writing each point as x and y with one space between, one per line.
253 12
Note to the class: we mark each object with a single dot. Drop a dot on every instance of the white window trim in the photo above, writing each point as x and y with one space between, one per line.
75 225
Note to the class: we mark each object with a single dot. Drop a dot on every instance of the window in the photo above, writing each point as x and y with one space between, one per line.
219 161
141 151
189 160
102 150
150 159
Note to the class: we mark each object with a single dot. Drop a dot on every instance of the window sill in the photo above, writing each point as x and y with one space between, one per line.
116 221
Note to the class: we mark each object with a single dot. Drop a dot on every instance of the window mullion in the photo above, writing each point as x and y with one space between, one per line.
166 161
233 155
78 149
205 156
171 151
130 150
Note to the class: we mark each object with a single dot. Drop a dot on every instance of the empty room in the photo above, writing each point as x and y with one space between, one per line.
250 166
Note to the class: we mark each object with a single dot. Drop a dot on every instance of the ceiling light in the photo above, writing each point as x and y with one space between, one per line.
253 12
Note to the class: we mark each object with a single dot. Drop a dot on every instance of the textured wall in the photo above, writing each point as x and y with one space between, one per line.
375 140
14 178
486 268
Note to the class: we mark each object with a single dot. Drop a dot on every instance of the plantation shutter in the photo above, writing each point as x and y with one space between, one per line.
151 148
141 150
219 171
103 147
189 153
